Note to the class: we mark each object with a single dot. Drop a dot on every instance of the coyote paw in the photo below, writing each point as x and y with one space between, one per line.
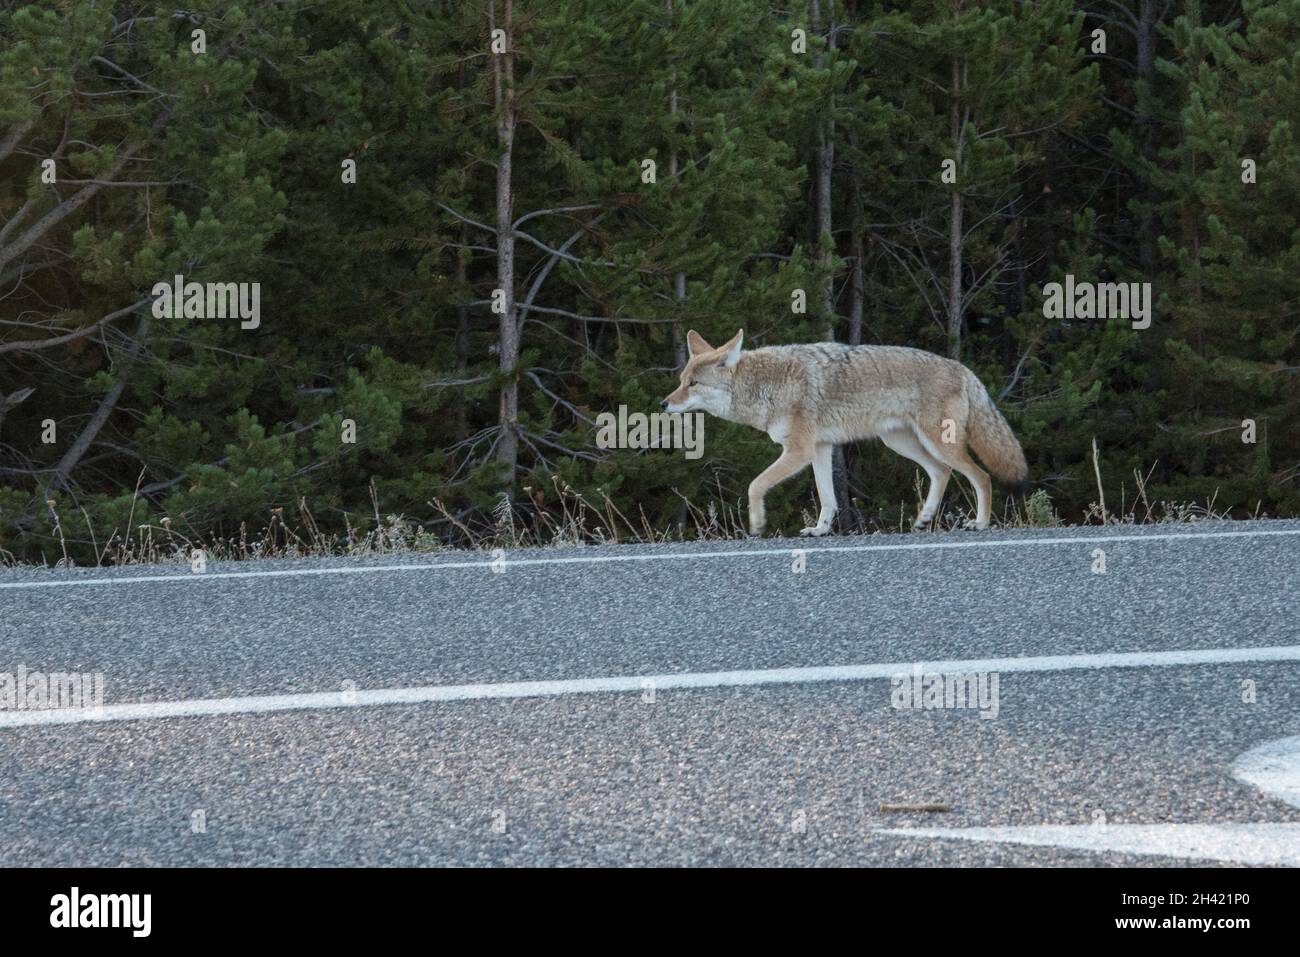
973 525
815 530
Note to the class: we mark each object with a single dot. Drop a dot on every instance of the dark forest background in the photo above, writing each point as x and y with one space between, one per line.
775 170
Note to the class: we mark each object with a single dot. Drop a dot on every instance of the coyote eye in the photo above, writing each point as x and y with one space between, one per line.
691 383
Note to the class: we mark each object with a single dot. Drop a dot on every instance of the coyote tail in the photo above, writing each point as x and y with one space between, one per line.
991 437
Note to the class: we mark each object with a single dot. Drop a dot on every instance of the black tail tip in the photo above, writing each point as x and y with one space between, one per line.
1019 489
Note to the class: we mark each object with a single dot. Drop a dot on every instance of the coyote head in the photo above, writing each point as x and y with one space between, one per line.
706 380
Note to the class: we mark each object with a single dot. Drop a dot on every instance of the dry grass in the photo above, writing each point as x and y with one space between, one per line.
568 518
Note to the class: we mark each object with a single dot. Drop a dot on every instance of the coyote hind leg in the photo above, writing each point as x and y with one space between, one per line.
906 444
954 455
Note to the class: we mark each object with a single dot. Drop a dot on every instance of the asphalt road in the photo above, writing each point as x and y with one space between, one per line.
311 721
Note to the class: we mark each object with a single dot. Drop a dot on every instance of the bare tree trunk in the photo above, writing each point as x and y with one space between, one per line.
955 221
1192 212
1146 58
825 166
63 471
857 249
825 163
11 249
679 337
1020 288
461 342
679 278
508 419
850 519
12 400
9 142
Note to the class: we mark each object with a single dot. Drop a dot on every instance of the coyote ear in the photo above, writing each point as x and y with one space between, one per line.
696 344
732 350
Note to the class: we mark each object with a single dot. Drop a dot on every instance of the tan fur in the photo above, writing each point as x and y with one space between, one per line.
810 398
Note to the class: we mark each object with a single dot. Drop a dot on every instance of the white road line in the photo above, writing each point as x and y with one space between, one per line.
1262 845
654 557
262 704
1273 767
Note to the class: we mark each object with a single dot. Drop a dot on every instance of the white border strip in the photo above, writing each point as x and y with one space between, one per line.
796 544
263 704
1259 844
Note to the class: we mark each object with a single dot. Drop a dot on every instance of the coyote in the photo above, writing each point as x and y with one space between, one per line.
810 398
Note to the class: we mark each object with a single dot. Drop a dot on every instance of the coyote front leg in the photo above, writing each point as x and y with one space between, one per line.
825 490
793 458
